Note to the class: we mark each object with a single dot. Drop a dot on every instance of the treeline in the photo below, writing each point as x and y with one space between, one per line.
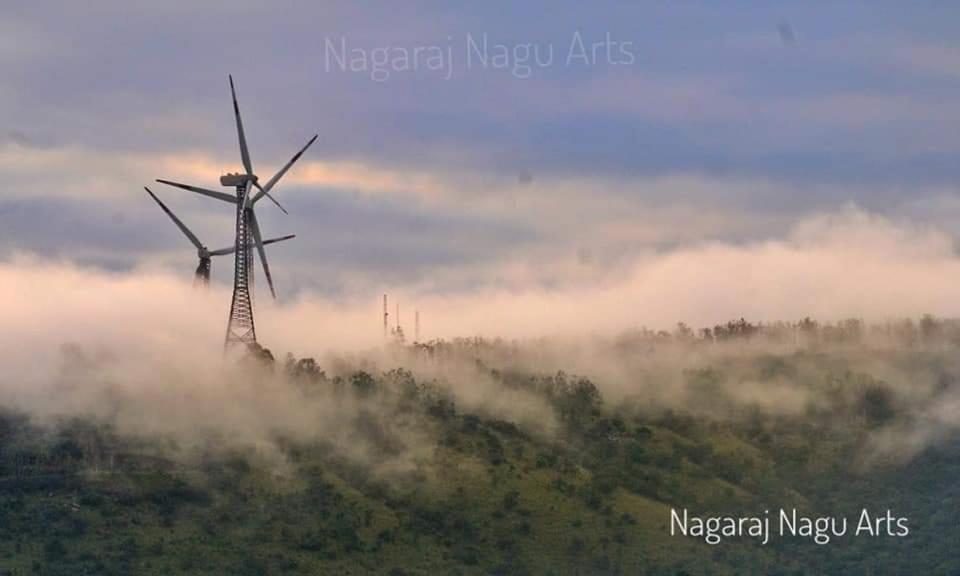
928 329
807 332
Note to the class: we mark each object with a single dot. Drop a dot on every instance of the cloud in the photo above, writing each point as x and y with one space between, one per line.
143 352
717 133
151 343
829 267
364 226
86 173
711 90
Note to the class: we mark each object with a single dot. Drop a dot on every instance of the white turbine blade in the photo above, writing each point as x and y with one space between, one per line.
246 195
211 193
272 199
232 249
244 152
263 253
276 177
268 195
280 239
183 227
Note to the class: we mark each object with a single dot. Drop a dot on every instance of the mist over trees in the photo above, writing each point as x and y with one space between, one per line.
490 456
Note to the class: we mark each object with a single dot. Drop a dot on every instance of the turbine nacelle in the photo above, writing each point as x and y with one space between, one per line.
238 180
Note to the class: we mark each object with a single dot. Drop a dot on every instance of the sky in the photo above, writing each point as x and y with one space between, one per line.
543 147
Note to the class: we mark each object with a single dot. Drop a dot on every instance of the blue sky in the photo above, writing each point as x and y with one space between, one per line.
733 122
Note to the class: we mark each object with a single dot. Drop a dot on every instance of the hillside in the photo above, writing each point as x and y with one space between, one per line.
421 477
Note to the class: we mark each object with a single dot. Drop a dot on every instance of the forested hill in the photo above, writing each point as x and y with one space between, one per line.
532 472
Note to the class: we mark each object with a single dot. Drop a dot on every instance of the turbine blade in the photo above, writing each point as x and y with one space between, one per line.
183 227
264 192
263 253
232 249
246 195
280 239
274 200
276 177
244 152
211 193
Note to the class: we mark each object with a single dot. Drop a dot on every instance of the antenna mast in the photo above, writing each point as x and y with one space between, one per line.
416 326
386 328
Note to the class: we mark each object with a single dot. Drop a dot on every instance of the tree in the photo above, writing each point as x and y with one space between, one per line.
363 383
930 328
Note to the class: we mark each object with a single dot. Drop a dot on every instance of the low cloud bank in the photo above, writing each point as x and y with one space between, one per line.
143 350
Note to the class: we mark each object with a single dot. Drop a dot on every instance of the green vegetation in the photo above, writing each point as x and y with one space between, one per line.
421 484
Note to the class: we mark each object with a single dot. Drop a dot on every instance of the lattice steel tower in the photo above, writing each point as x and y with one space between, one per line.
240 325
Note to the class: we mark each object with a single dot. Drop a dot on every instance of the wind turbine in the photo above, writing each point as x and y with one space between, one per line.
202 275
240 326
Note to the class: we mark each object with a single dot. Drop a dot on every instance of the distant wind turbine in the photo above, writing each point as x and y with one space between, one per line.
240 326
202 275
